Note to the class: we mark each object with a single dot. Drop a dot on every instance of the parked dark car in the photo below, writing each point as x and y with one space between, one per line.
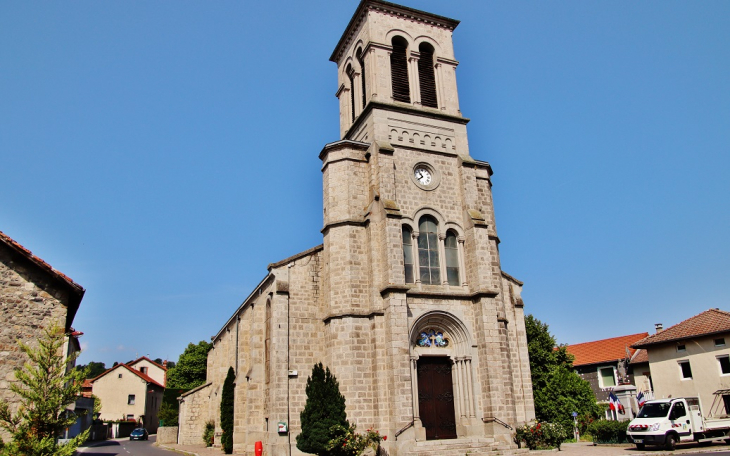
139 434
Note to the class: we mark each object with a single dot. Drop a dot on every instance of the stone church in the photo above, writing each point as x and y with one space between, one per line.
405 300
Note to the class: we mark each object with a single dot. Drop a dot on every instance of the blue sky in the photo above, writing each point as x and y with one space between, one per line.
163 153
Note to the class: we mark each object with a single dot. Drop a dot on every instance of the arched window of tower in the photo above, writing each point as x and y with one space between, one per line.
399 70
426 76
350 75
428 251
361 60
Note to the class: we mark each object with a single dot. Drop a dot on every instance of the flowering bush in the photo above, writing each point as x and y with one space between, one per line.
543 434
347 442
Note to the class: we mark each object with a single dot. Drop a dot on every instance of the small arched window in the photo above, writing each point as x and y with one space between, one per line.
361 61
428 252
408 253
351 77
451 247
426 76
399 70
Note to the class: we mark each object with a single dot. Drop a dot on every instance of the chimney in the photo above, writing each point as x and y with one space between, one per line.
164 363
659 327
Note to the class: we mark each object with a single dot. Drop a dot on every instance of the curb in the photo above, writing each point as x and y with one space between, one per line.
174 450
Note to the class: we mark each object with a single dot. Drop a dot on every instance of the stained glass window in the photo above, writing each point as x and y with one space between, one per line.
428 254
432 338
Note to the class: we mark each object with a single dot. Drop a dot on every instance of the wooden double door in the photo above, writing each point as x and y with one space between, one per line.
436 397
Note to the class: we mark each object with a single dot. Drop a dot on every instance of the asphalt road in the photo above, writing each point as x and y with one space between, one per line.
125 447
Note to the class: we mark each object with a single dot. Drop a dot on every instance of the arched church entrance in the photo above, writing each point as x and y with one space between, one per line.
441 374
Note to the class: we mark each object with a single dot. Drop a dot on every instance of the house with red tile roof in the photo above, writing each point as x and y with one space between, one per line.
33 296
605 363
692 358
130 394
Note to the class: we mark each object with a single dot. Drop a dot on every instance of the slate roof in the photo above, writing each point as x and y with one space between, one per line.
709 322
606 350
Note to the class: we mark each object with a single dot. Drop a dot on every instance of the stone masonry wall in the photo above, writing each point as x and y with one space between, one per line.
26 308
194 412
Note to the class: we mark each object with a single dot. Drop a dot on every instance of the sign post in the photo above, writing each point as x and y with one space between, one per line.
575 426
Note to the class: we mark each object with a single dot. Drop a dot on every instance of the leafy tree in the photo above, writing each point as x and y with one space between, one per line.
190 370
168 415
557 389
324 409
227 396
93 369
45 391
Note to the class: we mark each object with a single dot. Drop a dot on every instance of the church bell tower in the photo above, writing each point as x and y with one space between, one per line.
424 330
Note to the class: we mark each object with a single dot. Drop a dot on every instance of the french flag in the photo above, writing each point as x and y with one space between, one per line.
615 404
640 399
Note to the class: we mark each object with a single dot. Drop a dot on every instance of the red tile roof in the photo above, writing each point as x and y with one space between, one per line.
605 350
76 290
132 363
641 356
712 321
139 374
39 262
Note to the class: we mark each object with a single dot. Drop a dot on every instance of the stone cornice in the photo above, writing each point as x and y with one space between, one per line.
388 8
346 222
403 108
374 313
269 277
411 291
342 144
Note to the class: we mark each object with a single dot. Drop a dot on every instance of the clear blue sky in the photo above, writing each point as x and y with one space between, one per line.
163 153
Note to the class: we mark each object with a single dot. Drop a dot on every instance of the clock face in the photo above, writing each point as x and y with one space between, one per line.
423 175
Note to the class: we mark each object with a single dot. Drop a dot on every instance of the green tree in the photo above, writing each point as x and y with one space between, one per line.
93 369
557 389
45 390
324 409
191 368
227 396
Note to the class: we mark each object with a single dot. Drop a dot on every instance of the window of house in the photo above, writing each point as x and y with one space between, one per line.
130 399
724 364
143 370
120 376
720 342
426 76
681 348
408 253
607 377
451 248
399 70
686 370
130 417
428 254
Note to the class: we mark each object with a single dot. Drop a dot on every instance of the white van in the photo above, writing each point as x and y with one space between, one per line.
666 422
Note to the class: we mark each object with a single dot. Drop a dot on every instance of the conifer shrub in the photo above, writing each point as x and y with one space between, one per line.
324 409
227 396
209 433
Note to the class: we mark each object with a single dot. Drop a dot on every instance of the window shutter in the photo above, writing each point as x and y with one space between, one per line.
399 71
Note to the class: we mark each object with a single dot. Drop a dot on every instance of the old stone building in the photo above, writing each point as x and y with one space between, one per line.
33 296
405 300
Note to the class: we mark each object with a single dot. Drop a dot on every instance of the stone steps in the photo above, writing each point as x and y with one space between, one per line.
464 447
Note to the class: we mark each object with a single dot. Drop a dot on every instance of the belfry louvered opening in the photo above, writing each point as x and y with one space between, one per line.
361 61
426 76
399 70
351 77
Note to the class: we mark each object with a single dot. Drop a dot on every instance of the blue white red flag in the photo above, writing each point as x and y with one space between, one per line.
612 400
640 399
